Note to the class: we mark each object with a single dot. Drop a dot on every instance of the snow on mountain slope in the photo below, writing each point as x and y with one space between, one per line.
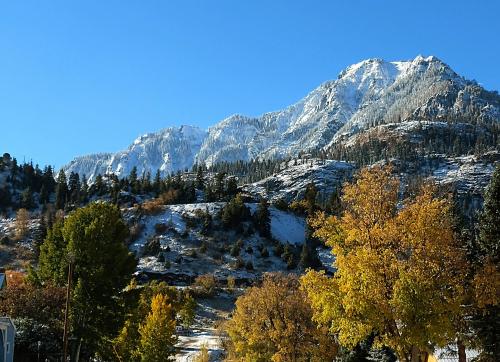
368 94
169 150
290 184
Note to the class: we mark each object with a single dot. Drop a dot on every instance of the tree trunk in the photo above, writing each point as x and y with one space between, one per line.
415 354
461 351
77 359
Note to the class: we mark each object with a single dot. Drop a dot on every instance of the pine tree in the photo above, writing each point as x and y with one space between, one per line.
99 187
157 183
61 191
44 195
207 222
134 183
309 257
200 178
27 200
232 187
84 192
310 198
219 185
262 218
157 338
94 238
487 321
74 188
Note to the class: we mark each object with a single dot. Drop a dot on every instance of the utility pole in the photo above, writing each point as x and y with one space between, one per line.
68 295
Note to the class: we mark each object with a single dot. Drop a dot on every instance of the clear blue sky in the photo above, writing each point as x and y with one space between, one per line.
79 77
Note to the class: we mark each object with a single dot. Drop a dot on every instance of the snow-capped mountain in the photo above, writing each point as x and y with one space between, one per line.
169 150
370 94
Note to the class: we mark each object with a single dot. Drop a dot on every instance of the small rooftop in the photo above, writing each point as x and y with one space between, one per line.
3 280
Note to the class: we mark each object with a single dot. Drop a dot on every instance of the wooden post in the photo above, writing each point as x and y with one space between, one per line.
66 313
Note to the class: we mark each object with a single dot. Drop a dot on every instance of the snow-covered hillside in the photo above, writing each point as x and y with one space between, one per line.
291 183
169 150
368 94
180 242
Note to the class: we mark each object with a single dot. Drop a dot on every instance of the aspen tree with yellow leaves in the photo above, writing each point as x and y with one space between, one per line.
399 269
158 332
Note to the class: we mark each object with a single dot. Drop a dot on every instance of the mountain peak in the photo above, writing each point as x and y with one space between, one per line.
366 94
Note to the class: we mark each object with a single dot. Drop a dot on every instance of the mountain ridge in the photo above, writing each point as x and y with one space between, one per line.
367 94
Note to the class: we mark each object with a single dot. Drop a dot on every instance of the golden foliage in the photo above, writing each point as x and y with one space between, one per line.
22 223
398 267
157 333
487 285
273 322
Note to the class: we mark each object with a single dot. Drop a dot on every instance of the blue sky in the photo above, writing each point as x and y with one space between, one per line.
79 77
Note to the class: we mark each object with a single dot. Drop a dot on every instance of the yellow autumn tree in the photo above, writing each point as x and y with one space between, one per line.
22 223
157 338
273 322
398 267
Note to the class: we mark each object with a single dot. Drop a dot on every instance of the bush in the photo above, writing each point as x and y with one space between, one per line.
135 231
298 207
239 263
205 285
234 212
203 247
264 253
193 254
203 355
161 228
278 250
249 265
152 246
231 283
235 251
152 207
281 204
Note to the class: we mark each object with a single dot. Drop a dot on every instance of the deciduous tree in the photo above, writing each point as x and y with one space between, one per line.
399 269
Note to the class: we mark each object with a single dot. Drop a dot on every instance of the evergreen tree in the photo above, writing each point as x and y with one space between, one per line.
309 257
487 321
27 200
207 223
61 191
44 195
74 188
134 183
262 218
99 187
219 185
5 198
234 212
84 192
232 187
52 262
310 198
94 238
157 183
200 178
209 193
